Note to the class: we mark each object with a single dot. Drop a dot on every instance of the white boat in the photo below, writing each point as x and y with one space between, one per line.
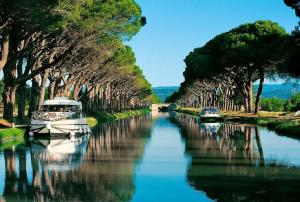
60 116
209 112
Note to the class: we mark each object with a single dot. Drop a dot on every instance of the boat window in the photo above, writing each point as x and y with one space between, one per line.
60 108
214 110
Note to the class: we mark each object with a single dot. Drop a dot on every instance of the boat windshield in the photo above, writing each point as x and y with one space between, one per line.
60 108
214 111
210 110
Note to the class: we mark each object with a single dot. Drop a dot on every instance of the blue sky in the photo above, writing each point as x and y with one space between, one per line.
175 27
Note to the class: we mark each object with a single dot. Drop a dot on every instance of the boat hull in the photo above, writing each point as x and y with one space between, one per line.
210 115
61 127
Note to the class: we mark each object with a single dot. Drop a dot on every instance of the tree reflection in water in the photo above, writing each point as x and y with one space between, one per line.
227 162
99 167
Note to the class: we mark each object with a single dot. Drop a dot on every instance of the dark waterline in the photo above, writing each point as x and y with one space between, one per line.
155 158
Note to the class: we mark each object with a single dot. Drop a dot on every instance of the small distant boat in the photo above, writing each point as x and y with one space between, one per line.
210 112
163 109
59 116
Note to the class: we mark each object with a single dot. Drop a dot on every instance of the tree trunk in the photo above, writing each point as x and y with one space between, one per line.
34 95
51 90
9 75
9 94
4 50
21 92
9 99
249 96
260 89
76 91
56 88
43 89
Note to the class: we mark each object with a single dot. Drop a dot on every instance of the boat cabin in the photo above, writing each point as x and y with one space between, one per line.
59 108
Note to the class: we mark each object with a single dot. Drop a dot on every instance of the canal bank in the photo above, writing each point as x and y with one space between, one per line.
280 122
94 119
10 137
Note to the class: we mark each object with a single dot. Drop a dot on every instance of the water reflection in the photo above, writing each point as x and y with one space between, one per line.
59 154
99 167
229 164
224 162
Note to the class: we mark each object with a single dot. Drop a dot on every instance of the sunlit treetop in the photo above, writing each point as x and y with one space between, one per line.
112 18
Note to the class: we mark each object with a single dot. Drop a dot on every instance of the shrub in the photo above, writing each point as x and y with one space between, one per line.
11 133
91 121
293 103
272 104
11 137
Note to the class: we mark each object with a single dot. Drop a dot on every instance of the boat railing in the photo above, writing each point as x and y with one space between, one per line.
56 116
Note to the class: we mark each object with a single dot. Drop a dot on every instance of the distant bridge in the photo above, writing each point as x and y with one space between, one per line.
155 107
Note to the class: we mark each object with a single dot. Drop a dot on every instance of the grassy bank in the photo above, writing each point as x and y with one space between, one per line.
280 122
11 137
288 127
190 111
95 118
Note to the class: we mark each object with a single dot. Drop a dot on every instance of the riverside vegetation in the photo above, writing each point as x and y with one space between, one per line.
11 137
14 136
95 118
222 73
73 49
281 122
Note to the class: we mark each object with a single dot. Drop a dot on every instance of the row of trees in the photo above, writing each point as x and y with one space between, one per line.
101 168
222 72
73 49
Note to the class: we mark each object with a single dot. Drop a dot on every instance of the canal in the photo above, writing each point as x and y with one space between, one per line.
159 157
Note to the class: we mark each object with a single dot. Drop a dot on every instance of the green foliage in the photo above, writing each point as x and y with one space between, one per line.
154 99
11 137
91 121
11 132
244 54
117 18
36 13
288 54
288 127
130 113
293 104
113 18
172 98
104 117
277 105
272 104
251 43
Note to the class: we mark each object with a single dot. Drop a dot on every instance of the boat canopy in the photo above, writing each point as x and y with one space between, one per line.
62 101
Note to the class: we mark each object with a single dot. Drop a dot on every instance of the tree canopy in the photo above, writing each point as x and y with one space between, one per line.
236 59
66 46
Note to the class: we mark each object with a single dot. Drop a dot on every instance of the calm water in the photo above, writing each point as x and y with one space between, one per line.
155 158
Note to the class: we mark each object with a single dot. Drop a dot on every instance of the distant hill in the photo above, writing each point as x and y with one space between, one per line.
165 91
283 91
